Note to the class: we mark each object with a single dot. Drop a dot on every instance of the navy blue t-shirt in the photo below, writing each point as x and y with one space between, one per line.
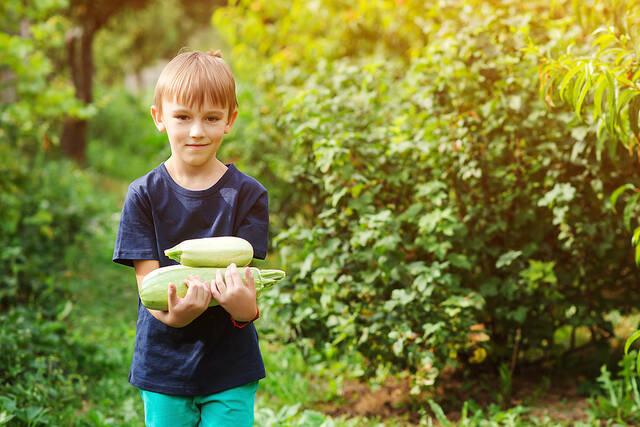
210 354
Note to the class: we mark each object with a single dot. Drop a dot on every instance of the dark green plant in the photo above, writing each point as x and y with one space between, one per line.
47 207
445 195
619 399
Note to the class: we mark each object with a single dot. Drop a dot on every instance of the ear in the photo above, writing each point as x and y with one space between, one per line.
232 119
157 118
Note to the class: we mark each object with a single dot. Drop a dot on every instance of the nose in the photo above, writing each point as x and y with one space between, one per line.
197 130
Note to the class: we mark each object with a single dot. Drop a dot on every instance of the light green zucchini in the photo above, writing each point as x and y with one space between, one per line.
154 287
212 252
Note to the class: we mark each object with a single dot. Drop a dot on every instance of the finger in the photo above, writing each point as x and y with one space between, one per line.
206 293
215 291
189 285
198 288
228 274
214 285
250 282
172 296
220 284
235 278
235 275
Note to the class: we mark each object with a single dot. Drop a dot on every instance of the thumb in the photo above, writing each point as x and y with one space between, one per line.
172 296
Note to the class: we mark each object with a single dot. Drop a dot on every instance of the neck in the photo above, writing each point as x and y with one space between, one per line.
195 177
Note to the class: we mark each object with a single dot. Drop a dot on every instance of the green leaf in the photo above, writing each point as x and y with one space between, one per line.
549 83
604 41
601 86
583 94
566 80
439 413
612 101
581 80
520 314
634 108
635 240
507 258
623 100
614 196
628 210
631 340
460 261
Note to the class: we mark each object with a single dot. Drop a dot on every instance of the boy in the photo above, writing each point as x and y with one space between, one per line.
194 364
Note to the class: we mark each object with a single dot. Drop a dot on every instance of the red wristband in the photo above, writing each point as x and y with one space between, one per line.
238 325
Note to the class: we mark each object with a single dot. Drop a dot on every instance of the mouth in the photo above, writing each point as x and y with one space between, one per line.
196 145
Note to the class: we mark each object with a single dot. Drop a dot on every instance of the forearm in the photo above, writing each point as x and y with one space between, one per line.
170 319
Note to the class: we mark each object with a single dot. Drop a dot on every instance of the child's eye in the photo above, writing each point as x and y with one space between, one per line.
213 119
182 117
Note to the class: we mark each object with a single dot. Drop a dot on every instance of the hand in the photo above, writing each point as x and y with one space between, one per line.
183 311
233 295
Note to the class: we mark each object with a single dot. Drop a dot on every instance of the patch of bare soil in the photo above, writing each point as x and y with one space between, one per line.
556 400
390 399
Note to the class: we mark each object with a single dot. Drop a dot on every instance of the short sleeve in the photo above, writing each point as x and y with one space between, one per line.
254 227
136 234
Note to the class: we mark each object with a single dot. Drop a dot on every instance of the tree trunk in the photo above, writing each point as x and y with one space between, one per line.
74 140
80 59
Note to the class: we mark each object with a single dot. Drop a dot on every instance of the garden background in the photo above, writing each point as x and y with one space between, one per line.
453 194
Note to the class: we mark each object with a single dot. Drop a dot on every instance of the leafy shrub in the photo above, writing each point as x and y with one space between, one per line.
619 398
39 381
47 207
449 216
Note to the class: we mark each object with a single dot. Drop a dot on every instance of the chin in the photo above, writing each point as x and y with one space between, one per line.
198 160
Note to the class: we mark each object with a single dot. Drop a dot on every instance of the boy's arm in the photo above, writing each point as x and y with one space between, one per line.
182 311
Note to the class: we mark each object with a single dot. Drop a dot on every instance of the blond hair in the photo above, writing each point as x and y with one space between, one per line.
193 78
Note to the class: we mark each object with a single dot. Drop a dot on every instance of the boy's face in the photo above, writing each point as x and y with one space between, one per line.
195 133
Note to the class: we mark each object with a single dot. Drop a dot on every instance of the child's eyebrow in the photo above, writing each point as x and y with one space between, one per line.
187 111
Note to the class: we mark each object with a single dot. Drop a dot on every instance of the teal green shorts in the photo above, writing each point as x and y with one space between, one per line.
233 407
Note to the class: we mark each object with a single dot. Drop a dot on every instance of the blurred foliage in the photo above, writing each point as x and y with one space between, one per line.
34 97
46 202
47 208
132 41
123 142
438 214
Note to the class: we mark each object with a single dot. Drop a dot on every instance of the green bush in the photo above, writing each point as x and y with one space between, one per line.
443 197
40 381
47 208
